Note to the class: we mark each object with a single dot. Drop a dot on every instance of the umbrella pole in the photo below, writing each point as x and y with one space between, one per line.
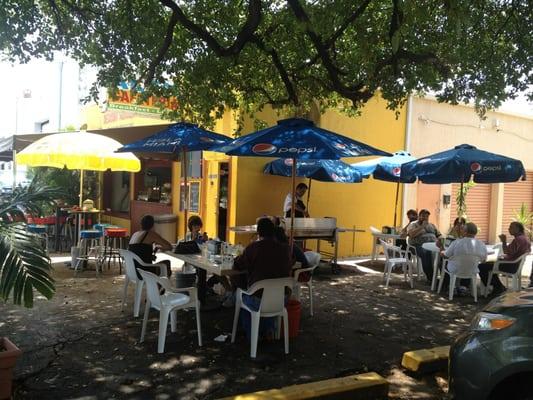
185 193
396 203
293 203
81 187
461 199
308 195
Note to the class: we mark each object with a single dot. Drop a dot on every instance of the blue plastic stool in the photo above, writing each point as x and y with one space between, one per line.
41 231
90 249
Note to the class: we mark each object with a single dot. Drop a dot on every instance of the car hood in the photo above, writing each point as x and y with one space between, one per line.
522 299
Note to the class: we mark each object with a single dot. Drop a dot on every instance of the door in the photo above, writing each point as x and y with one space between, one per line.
514 195
223 200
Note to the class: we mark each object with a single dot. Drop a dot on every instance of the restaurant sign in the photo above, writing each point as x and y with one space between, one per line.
125 99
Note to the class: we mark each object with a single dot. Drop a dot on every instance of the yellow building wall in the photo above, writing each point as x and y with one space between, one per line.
354 205
438 127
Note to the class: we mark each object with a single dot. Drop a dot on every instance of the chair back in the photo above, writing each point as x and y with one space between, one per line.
313 258
498 248
390 250
273 298
152 291
129 258
374 230
466 264
521 260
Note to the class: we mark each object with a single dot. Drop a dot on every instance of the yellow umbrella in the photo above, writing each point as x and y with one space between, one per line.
78 150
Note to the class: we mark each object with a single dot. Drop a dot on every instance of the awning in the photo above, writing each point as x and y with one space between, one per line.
123 135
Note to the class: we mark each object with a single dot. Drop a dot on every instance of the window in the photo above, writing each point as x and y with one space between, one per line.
117 191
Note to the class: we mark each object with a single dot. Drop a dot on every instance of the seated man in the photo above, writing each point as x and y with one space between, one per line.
412 216
467 245
519 246
420 232
266 258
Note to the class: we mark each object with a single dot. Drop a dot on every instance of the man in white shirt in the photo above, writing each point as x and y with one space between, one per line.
467 245
300 210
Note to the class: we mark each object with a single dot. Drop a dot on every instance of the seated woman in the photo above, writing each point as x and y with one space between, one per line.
144 243
456 231
195 226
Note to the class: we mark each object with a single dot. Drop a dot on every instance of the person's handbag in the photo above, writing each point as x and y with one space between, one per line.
189 247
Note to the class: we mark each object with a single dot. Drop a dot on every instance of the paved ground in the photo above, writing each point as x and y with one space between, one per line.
80 345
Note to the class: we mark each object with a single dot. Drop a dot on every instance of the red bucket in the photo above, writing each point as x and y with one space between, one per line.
294 309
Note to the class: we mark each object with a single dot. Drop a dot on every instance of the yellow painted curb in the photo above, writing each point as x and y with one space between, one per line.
362 386
425 359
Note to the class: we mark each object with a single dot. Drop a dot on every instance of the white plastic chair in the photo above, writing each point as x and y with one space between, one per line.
516 277
394 256
467 268
131 276
313 258
272 305
167 304
416 262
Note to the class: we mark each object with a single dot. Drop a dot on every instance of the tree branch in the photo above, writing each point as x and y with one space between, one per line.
243 37
355 93
347 22
289 87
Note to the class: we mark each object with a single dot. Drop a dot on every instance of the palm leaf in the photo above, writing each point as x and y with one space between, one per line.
24 265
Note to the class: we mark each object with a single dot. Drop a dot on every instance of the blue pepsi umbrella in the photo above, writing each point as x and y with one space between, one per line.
320 170
386 169
298 138
175 139
462 164
178 138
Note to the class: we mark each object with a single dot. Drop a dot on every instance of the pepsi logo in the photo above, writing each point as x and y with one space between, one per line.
396 171
341 146
206 139
334 176
264 148
288 161
475 167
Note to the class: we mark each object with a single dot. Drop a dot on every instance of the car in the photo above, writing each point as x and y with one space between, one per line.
494 358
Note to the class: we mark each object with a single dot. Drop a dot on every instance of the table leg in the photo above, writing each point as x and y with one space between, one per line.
436 259
201 284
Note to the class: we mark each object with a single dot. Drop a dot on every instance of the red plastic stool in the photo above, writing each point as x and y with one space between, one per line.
114 241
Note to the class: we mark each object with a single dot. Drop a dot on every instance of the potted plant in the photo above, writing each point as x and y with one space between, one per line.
24 264
8 358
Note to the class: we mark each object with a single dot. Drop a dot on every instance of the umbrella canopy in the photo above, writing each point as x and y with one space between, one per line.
384 168
320 170
299 139
78 150
177 138
461 164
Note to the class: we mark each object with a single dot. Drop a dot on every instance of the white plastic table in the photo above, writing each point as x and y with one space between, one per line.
383 236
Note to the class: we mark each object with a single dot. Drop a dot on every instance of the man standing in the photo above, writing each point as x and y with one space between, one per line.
420 232
299 209
518 247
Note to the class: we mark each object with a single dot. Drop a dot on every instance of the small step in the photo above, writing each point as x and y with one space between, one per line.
426 360
354 387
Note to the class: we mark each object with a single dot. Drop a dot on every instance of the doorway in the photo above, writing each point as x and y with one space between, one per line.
223 196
